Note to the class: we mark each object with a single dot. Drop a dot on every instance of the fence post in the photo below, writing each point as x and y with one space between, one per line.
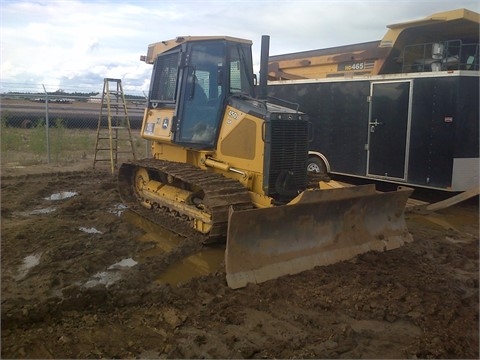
47 124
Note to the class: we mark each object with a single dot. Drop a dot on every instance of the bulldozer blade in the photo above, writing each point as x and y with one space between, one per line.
323 227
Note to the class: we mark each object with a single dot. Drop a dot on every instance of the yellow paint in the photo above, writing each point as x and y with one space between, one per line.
325 63
157 124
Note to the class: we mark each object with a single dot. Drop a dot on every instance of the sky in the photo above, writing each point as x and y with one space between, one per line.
72 45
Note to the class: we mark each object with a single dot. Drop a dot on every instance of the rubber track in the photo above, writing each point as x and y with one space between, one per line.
220 193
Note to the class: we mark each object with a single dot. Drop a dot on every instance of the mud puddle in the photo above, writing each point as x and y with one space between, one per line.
117 209
61 195
207 261
90 230
29 262
111 275
49 209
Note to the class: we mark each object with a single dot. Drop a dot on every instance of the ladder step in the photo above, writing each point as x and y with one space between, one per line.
123 113
115 139
106 137
106 148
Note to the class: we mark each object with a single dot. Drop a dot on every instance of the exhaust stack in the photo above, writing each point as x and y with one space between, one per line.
264 54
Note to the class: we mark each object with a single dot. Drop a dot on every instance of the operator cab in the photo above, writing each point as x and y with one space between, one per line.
194 79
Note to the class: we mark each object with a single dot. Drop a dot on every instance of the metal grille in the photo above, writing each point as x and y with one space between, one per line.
288 152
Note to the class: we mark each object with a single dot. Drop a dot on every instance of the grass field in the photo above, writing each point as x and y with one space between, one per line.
25 147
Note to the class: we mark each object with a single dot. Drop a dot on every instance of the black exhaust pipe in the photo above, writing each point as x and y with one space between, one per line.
262 90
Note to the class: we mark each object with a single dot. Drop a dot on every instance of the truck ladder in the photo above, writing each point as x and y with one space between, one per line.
113 132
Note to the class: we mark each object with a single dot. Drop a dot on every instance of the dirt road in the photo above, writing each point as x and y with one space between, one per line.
81 278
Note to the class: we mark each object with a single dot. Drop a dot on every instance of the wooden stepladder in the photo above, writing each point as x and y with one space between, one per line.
114 136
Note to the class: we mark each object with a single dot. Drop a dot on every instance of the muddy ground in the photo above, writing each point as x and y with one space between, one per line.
83 278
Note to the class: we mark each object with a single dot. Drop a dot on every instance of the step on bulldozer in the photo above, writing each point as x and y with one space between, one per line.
231 166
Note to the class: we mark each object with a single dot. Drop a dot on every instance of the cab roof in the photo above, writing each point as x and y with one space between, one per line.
160 47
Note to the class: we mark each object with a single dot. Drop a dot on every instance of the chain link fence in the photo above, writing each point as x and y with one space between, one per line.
59 130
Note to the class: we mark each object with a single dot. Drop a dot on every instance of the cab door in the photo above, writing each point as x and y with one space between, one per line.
201 97
389 129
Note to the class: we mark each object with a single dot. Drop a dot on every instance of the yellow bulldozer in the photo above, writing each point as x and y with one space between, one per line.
232 167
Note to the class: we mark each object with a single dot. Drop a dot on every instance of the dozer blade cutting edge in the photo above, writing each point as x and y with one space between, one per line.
322 228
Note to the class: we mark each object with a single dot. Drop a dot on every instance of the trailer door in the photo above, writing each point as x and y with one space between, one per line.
389 129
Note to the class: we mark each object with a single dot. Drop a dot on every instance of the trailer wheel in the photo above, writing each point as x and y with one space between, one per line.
316 165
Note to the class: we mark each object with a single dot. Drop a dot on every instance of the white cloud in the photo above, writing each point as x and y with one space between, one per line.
78 43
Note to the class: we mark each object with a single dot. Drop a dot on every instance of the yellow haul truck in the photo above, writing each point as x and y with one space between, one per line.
232 167
442 41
